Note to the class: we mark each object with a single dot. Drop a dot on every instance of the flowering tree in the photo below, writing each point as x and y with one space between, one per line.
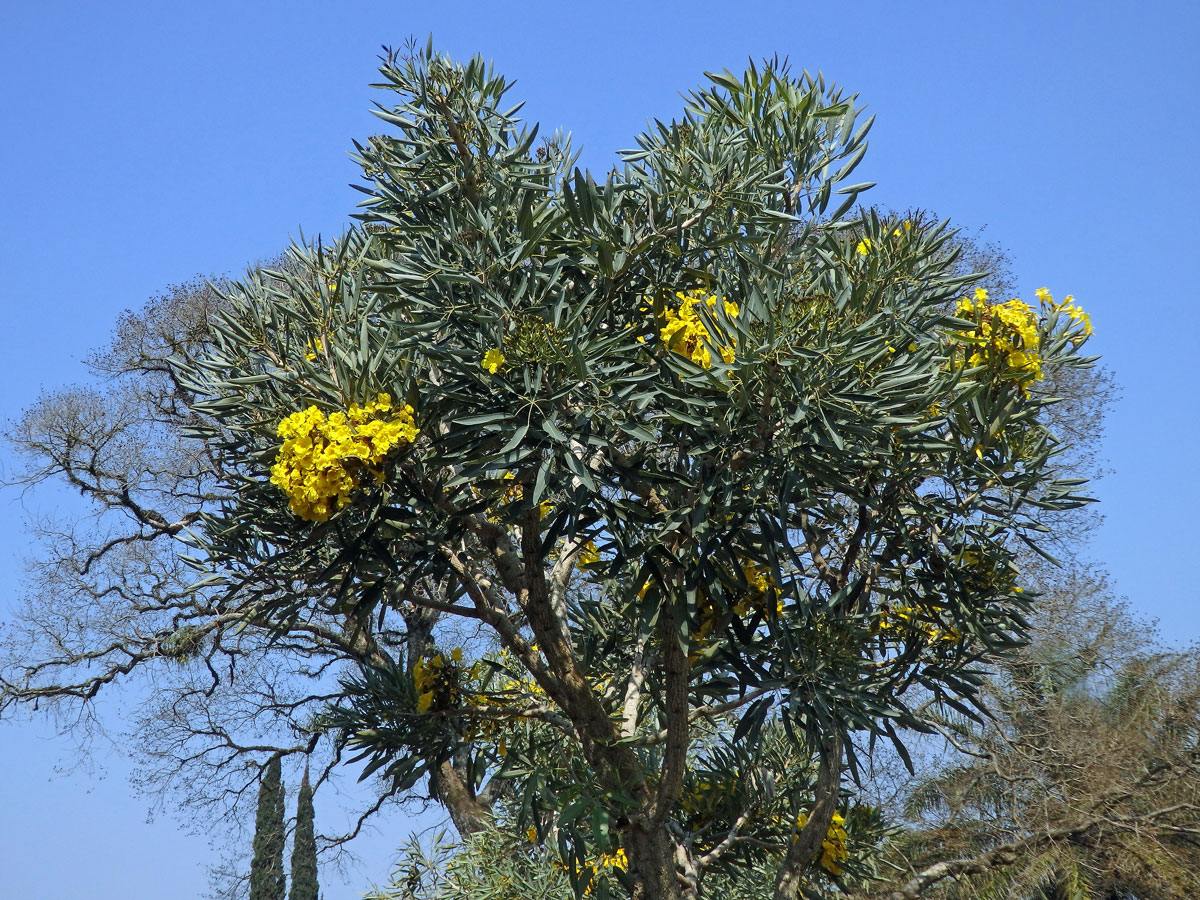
677 488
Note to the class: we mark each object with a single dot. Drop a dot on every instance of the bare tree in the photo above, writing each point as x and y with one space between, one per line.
1084 783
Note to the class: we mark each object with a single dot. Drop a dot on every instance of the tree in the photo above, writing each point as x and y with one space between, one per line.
266 870
122 589
199 739
1083 783
688 476
304 847
106 602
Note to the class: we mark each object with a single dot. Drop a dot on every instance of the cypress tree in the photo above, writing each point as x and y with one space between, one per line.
304 847
266 869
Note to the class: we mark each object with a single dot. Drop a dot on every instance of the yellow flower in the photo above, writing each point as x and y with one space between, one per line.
685 333
905 619
322 459
589 555
424 702
1076 314
833 847
759 580
493 360
1006 339
864 247
617 860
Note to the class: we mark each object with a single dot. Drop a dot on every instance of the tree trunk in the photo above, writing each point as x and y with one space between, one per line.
651 854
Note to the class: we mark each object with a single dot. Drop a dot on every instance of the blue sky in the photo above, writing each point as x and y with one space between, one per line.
146 143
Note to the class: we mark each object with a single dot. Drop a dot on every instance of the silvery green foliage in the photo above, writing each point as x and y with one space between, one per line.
487 866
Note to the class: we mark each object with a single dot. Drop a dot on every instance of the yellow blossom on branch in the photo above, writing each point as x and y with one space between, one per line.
1007 339
322 458
589 871
438 680
906 620
493 360
515 493
756 599
589 555
686 333
1074 312
617 860
833 847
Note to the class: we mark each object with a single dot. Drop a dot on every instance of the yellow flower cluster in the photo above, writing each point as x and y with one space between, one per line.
443 682
865 246
591 868
905 619
495 685
1074 312
758 578
833 848
701 801
987 573
436 679
493 360
515 493
685 333
322 459
517 682
759 584
1006 335
615 860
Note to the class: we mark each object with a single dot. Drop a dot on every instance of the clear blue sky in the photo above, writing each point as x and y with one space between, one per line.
145 143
